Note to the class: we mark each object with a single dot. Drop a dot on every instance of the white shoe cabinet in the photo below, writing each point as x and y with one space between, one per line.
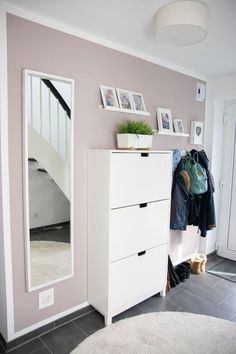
128 227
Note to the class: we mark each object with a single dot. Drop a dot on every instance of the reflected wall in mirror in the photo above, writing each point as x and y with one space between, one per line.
48 165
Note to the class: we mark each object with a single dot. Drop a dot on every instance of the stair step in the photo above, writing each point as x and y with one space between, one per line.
42 170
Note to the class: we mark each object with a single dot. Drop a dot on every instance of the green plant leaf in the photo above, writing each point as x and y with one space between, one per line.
134 127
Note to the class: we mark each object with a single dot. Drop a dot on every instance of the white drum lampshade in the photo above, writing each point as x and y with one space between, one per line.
182 22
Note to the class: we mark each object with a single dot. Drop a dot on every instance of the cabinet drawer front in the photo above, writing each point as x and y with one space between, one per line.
137 228
138 179
134 276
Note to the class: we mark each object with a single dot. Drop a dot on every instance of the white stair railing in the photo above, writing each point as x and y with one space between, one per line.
50 122
48 117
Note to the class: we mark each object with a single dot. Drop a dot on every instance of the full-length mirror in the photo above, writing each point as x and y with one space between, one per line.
48 164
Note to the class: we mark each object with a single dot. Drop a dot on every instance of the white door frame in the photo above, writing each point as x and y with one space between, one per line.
225 194
6 280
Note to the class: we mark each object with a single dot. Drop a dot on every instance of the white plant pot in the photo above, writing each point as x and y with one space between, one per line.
134 141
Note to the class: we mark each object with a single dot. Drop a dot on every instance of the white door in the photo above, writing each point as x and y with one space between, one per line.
228 195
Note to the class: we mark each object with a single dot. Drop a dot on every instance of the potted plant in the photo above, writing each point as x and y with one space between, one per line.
134 135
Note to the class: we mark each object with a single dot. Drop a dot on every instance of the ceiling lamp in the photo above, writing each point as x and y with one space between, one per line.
182 22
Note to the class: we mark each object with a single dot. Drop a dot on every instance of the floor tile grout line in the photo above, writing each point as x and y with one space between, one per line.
20 345
233 317
220 280
45 344
46 332
65 323
201 297
78 327
183 309
74 319
1 345
173 303
169 295
204 297
36 350
180 309
227 298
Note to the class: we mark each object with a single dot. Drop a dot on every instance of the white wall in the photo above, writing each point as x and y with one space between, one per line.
47 204
219 90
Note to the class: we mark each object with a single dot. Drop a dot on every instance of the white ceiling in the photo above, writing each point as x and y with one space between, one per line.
130 23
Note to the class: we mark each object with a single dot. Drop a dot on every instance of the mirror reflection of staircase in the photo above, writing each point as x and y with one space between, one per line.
60 231
49 162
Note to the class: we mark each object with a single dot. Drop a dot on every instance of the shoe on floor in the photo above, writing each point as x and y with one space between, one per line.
196 263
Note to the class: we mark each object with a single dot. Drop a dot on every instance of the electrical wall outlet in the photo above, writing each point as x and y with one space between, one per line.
46 298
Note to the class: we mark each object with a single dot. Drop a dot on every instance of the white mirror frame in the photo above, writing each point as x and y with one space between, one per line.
26 73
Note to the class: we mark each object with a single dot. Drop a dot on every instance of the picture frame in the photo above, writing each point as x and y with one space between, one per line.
138 102
201 91
164 120
109 98
197 132
124 99
178 126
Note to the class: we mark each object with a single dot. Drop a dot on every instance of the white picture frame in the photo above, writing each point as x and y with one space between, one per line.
109 98
178 126
138 102
124 99
164 120
201 91
197 132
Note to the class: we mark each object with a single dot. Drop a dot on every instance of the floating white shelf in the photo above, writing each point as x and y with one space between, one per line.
172 134
123 110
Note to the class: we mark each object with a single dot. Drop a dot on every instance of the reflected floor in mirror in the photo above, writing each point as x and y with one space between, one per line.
60 233
50 255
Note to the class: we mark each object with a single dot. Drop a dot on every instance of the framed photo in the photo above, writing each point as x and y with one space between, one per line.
196 136
138 102
125 99
201 92
178 126
164 120
109 98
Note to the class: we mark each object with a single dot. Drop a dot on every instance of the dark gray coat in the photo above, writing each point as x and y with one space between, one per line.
180 201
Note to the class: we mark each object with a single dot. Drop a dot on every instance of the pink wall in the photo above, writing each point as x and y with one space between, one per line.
36 47
3 309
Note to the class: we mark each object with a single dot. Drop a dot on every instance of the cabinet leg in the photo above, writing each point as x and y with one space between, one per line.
108 320
163 292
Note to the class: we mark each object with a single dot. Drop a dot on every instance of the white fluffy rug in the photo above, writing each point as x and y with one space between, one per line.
50 261
163 333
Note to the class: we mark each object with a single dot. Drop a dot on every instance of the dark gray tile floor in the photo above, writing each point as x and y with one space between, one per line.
203 294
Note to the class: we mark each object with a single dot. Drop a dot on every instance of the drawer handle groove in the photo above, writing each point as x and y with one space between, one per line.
143 205
144 154
141 253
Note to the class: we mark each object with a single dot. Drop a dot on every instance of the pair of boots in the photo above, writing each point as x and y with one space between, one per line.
198 263
172 278
183 271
